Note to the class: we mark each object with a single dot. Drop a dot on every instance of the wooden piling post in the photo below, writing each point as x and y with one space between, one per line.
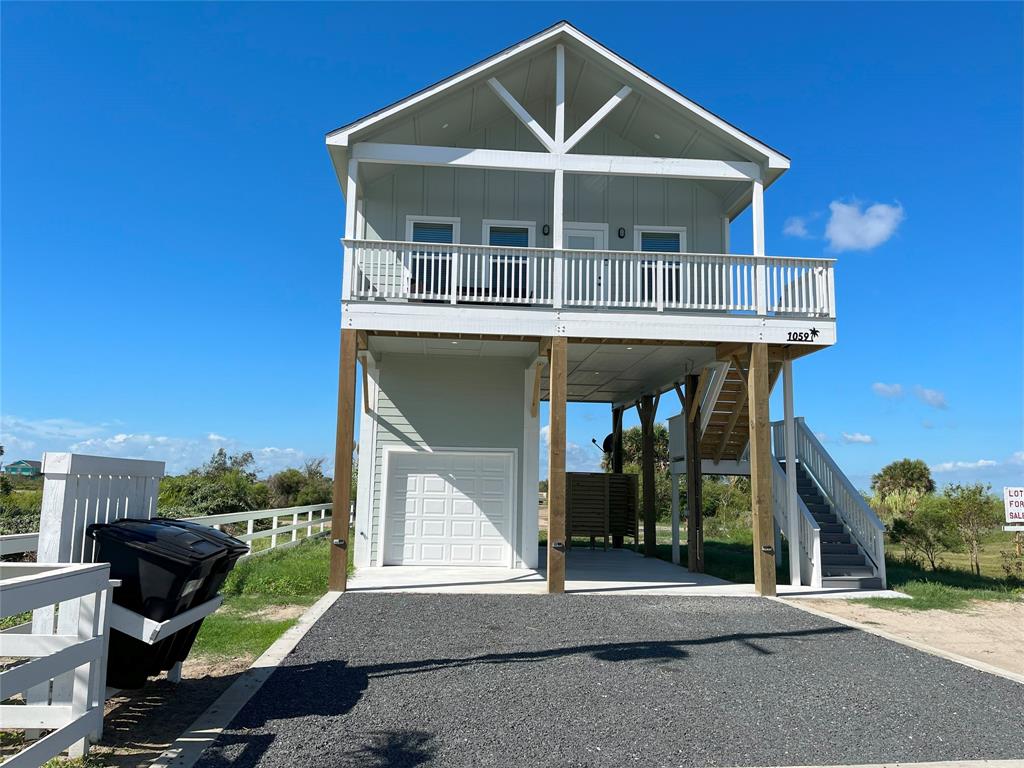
556 464
343 445
761 471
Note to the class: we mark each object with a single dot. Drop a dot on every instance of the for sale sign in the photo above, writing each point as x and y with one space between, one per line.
1013 499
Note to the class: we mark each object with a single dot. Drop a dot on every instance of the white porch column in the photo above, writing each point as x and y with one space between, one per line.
761 271
558 197
557 226
367 459
351 207
675 518
792 510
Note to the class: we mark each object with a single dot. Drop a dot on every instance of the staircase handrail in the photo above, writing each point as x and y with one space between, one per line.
811 566
867 529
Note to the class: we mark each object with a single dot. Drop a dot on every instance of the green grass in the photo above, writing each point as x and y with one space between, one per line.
228 633
295 575
949 589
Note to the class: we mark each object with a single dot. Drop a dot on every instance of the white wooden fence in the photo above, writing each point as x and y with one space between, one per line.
69 595
311 520
475 274
68 655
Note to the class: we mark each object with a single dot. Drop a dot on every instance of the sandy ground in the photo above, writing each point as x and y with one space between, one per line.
138 725
992 632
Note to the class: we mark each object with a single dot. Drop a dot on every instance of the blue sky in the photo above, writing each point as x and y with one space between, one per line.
170 220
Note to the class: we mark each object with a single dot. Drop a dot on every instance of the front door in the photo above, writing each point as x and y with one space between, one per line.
588 278
585 237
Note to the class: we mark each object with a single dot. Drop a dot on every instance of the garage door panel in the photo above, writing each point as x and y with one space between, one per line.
435 507
465 508
435 485
432 553
448 507
434 528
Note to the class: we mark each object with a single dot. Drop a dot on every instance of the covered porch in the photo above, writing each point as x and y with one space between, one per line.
429 396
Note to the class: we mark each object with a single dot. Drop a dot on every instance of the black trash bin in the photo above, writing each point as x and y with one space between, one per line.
180 643
162 569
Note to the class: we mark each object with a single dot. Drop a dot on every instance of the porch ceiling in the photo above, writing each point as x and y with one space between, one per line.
598 372
617 373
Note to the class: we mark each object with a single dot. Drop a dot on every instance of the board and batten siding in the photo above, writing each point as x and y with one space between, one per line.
432 402
473 195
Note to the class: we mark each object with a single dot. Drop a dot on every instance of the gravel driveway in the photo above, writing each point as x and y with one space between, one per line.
516 680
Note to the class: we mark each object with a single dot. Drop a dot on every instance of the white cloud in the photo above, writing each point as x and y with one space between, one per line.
853 228
822 437
857 437
932 397
796 226
953 466
889 391
28 438
578 458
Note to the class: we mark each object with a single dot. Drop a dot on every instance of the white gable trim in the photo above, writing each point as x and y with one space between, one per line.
774 159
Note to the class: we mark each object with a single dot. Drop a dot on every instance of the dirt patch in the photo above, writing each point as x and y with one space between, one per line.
988 631
279 612
139 725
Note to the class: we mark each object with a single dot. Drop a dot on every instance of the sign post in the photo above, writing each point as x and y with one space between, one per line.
1013 502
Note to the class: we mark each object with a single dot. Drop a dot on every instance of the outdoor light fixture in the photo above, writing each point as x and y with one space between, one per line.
546 230
622 232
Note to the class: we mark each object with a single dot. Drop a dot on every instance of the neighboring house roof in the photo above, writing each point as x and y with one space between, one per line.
26 463
564 30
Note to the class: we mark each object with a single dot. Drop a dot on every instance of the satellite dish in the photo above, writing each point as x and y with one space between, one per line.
608 444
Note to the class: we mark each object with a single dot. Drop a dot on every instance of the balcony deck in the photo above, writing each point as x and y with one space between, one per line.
444 288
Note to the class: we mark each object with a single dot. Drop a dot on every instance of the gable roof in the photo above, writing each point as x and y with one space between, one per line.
340 137
26 463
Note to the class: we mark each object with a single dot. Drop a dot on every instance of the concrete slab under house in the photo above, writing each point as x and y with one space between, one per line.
552 224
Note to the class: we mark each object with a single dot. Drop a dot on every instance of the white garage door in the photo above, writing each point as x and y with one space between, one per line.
449 508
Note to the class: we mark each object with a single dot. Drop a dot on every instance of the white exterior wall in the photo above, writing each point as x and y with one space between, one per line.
475 195
430 402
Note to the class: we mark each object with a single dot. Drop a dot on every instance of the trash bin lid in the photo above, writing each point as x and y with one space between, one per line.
228 541
171 542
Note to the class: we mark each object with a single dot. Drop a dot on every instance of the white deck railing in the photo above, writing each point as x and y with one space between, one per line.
682 282
70 652
867 529
811 566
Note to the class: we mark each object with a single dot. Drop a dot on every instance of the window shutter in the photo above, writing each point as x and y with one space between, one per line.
659 242
509 237
432 232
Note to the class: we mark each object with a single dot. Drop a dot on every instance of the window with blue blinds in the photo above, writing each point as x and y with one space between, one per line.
660 242
509 237
432 232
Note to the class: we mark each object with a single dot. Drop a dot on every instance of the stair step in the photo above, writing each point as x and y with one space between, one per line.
851 582
832 528
847 570
826 519
837 560
830 539
838 549
819 509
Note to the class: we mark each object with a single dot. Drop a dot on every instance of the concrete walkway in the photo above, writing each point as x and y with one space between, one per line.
611 572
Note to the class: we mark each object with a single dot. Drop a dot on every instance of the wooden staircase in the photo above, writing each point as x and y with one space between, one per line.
728 430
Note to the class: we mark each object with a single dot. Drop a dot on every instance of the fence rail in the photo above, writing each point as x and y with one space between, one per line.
66 658
688 282
314 519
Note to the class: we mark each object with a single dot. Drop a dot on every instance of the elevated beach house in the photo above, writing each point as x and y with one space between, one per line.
552 223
